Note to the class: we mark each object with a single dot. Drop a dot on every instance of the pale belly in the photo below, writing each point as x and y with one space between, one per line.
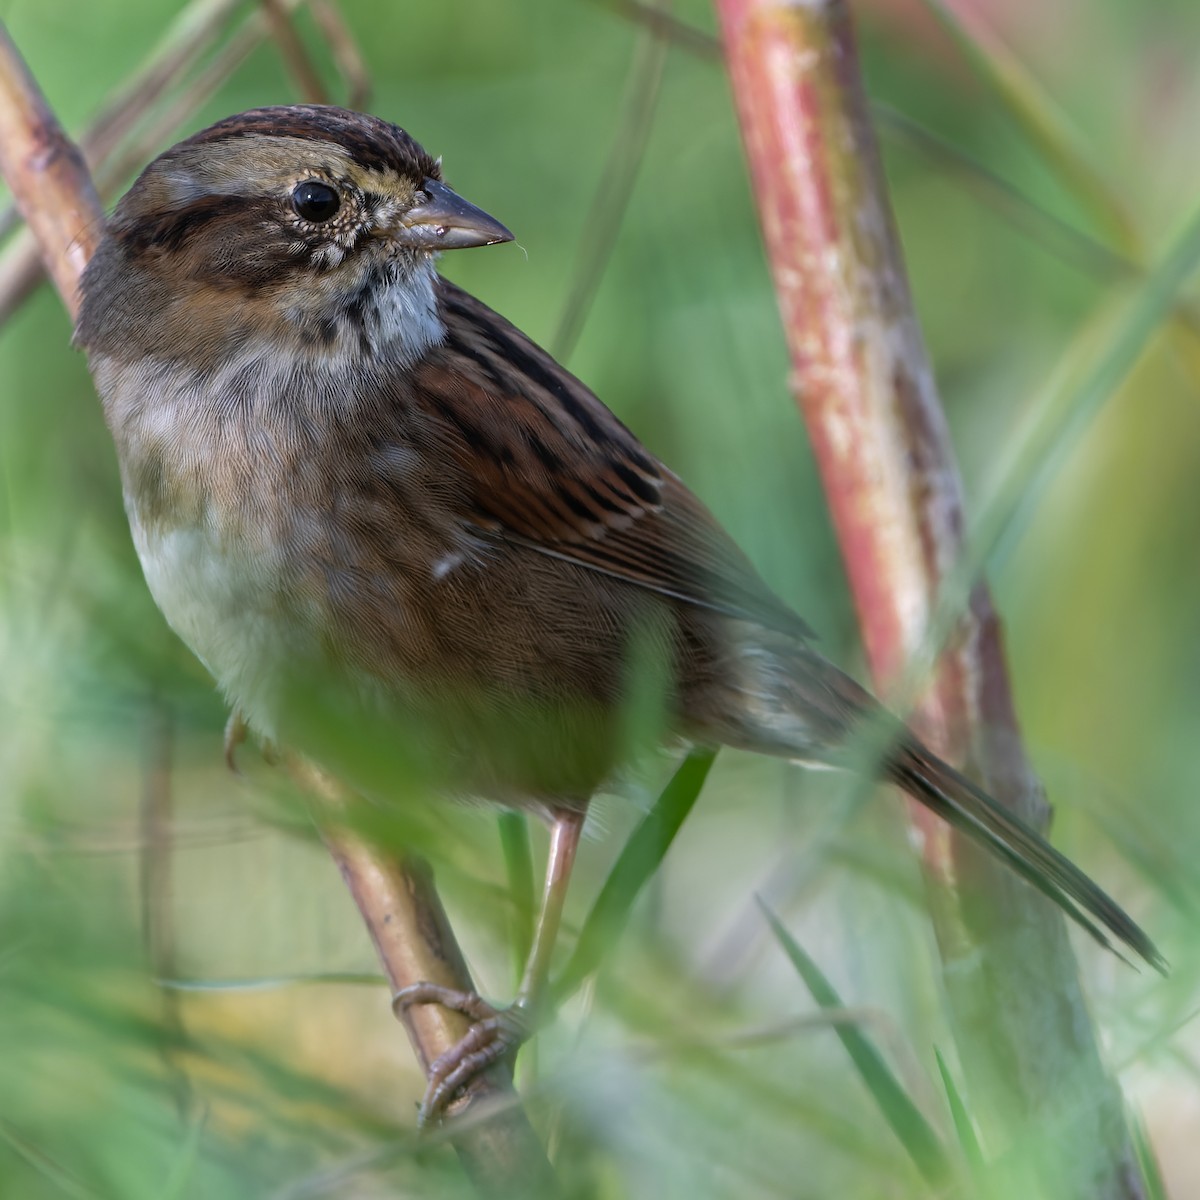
234 606
270 644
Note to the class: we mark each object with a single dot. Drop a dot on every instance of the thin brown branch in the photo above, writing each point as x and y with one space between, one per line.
47 176
415 943
188 38
51 185
21 268
667 26
346 55
866 389
294 53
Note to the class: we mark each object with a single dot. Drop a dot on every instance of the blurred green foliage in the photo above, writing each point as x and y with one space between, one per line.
113 1086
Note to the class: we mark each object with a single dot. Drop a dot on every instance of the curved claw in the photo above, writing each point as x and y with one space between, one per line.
235 735
236 731
495 1034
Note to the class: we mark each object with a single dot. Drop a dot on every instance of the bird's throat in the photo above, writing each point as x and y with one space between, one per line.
388 312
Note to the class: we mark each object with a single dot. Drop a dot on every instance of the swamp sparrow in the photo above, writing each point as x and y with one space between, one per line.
404 539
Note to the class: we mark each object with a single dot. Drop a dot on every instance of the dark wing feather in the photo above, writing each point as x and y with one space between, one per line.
550 466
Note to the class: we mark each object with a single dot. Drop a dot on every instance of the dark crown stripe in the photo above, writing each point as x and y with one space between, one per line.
370 142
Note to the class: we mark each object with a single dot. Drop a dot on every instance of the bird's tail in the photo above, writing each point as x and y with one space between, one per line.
798 704
954 798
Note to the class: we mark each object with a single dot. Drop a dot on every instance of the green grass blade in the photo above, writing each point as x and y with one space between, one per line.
55 1174
518 866
1130 335
1056 236
1060 148
1051 233
915 1133
1156 1189
270 983
646 848
1041 121
964 1127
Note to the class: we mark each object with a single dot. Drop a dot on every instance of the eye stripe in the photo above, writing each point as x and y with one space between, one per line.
172 228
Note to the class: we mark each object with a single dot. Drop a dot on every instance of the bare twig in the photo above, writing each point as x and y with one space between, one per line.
21 265
415 943
50 184
186 41
667 26
295 55
47 176
868 396
189 36
346 55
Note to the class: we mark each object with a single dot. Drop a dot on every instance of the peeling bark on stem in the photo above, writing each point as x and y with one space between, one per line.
863 381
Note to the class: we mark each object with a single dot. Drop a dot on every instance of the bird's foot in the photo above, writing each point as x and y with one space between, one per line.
235 735
236 731
495 1034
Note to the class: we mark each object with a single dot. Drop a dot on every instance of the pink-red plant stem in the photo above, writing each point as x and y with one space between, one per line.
864 384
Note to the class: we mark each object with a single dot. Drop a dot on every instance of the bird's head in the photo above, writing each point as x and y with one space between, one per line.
305 219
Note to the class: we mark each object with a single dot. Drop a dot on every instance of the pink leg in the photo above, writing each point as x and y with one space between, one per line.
497 1033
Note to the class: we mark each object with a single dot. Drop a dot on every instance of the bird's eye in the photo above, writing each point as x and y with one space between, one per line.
315 201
